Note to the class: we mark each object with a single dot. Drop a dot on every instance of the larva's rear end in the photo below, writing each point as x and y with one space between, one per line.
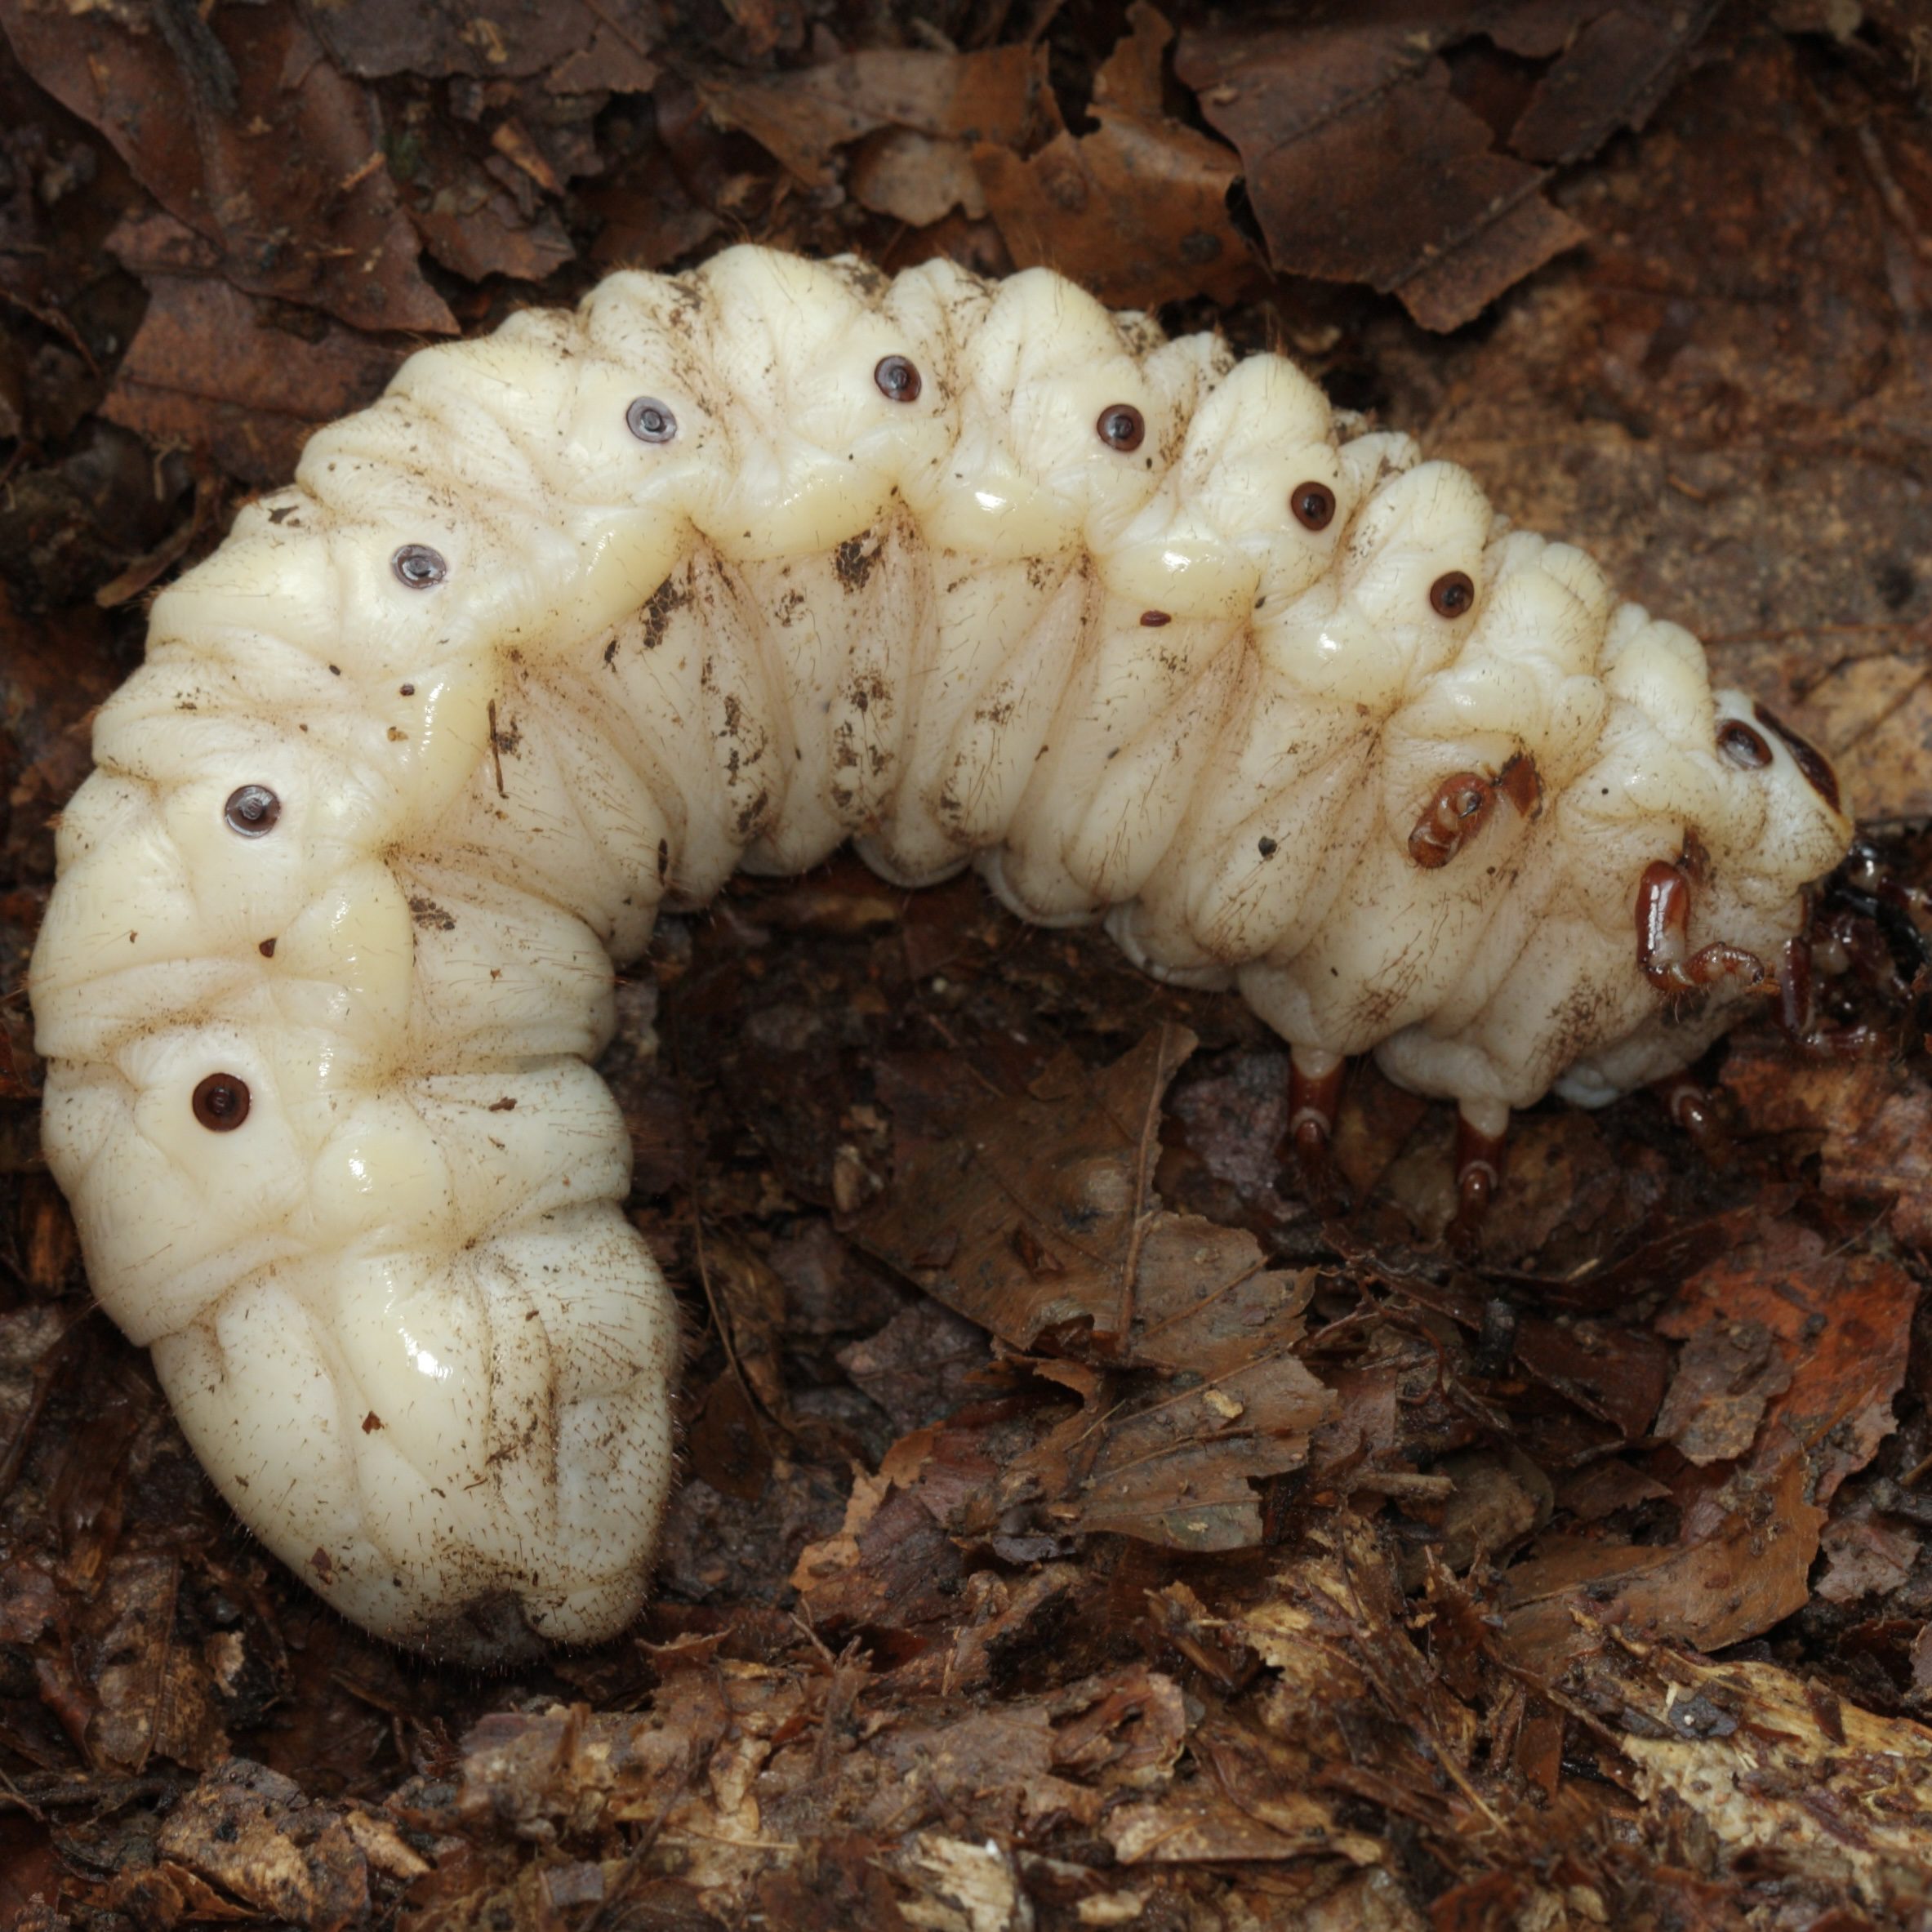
364 1212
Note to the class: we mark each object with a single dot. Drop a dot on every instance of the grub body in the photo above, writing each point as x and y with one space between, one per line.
721 571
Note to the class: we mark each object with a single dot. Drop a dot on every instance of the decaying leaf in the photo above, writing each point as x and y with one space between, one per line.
1868 1118
1362 164
947 99
1035 1218
579 47
1203 1556
477 224
1726 1375
154 1697
251 1832
243 129
1746 1569
1136 212
1830 1333
1029 1215
1777 1769
274 380
1612 61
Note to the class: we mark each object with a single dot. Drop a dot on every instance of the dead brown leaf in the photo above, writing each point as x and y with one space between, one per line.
1004 1617
244 131
919 1367
1030 1215
725 1439
802 117
1362 166
1746 1572
477 223
1034 1216
52 673
580 46
1841 1327
155 1697
892 1566
253 1833
914 178
1614 61
1868 1552
1873 1119
1727 1374
1831 1335
226 372
1873 709
164 1893
1136 212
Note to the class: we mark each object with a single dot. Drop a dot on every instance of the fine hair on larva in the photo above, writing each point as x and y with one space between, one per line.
721 571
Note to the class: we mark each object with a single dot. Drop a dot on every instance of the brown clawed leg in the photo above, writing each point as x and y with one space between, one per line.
1885 925
1797 1002
1915 903
1663 943
1313 1098
1663 926
1482 1133
1693 1109
1450 819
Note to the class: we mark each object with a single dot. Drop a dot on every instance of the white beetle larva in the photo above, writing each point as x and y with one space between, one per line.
721 571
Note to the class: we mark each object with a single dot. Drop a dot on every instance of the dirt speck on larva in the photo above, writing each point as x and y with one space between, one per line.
427 913
664 603
854 560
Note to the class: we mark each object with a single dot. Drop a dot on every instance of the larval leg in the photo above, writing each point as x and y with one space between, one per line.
1458 811
1663 945
1482 1135
1314 1095
1692 1108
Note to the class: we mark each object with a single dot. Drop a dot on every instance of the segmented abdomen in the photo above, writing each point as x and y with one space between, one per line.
722 572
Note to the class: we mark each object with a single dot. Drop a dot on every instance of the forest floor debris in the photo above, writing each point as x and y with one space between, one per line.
1082 1527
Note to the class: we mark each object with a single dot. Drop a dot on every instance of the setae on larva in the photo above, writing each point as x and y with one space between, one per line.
721 571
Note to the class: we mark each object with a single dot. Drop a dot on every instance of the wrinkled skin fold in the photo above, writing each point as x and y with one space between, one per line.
581 617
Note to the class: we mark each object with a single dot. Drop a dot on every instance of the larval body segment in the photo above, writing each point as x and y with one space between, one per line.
580 617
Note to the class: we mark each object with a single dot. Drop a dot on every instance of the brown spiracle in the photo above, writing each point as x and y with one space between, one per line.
221 1102
1121 426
